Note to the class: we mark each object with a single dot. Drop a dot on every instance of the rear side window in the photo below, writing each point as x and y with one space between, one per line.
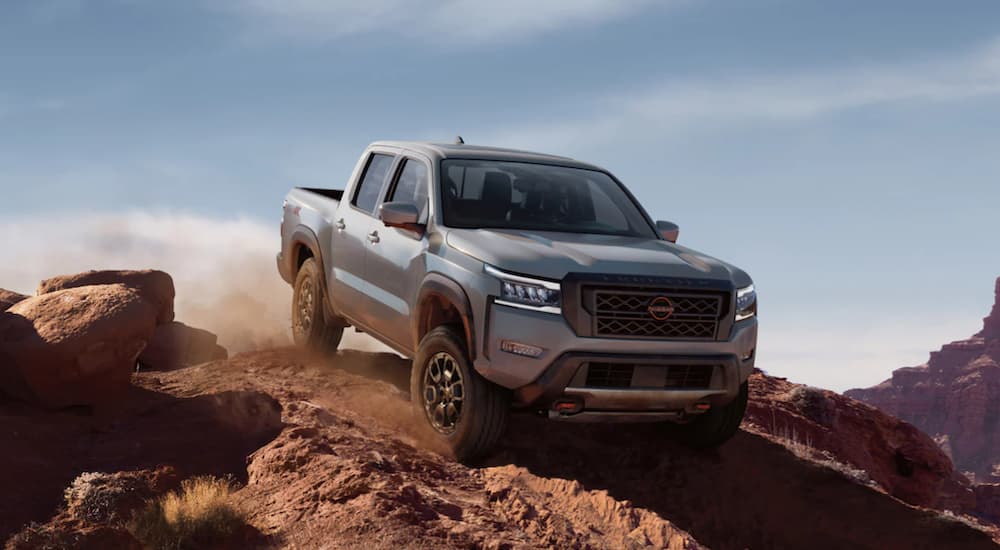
368 191
412 186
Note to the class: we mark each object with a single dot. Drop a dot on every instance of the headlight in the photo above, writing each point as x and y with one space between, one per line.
746 303
527 293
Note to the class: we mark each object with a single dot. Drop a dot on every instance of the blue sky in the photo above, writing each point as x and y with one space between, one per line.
846 154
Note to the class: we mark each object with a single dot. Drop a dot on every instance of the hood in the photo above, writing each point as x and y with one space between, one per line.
552 255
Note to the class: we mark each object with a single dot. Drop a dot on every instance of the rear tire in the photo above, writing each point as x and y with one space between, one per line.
463 411
716 426
310 327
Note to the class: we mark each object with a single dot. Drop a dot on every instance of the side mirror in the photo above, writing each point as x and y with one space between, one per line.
403 215
669 230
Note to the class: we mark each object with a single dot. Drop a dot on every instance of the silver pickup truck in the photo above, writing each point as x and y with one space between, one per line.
520 280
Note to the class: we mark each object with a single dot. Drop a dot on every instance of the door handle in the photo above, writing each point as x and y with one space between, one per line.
340 224
373 237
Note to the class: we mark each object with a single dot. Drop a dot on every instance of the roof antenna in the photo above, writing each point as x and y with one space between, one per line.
459 140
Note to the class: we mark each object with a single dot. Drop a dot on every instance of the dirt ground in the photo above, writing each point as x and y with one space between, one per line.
328 456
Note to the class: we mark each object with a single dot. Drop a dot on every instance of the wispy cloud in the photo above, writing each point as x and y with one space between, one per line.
676 106
449 21
10 107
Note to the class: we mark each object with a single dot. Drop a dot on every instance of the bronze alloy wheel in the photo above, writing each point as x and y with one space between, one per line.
304 313
314 325
444 392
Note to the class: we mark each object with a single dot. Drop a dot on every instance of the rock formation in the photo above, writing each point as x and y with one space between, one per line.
155 286
74 347
78 341
175 345
8 299
954 397
860 440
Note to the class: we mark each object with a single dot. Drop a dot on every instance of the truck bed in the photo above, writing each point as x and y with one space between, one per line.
335 194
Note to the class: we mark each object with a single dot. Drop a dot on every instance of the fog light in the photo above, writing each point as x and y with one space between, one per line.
517 348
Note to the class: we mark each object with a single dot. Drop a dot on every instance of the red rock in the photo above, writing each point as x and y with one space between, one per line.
9 298
175 345
953 397
988 502
74 347
155 286
901 459
991 323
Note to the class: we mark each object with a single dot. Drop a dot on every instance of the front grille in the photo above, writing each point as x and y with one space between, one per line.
626 313
626 375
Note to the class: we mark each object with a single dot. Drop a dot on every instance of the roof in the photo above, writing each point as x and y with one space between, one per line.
438 151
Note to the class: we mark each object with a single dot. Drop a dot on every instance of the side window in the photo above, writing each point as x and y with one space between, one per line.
366 195
412 186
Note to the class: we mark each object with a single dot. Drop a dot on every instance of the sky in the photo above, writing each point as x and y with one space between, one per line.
845 154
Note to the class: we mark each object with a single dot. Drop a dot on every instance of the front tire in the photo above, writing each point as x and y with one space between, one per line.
716 426
464 411
310 327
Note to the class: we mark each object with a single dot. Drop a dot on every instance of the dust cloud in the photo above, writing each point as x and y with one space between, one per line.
223 268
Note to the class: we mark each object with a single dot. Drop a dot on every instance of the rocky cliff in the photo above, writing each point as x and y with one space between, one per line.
953 397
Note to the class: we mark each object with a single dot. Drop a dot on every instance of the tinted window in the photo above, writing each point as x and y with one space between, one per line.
367 194
412 186
540 197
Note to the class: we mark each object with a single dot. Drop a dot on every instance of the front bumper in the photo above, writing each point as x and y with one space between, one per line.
560 372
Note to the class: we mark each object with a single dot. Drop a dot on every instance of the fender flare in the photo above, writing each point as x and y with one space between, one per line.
436 285
303 236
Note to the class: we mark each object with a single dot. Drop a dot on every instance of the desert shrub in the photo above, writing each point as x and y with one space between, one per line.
103 498
200 514
812 403
36 536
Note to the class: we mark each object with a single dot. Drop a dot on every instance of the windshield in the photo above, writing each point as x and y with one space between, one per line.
540 197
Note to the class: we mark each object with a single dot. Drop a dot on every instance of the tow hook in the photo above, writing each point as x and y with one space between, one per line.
566 407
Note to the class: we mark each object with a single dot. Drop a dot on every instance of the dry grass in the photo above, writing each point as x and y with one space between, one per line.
802 447
199 515
968 521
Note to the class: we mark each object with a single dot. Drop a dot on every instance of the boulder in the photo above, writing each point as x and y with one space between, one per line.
76 346
9 298
155 286
175 345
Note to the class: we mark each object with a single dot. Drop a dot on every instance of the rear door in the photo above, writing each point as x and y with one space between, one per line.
395 261
352 226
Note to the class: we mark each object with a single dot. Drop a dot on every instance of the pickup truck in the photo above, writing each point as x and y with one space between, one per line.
520 281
